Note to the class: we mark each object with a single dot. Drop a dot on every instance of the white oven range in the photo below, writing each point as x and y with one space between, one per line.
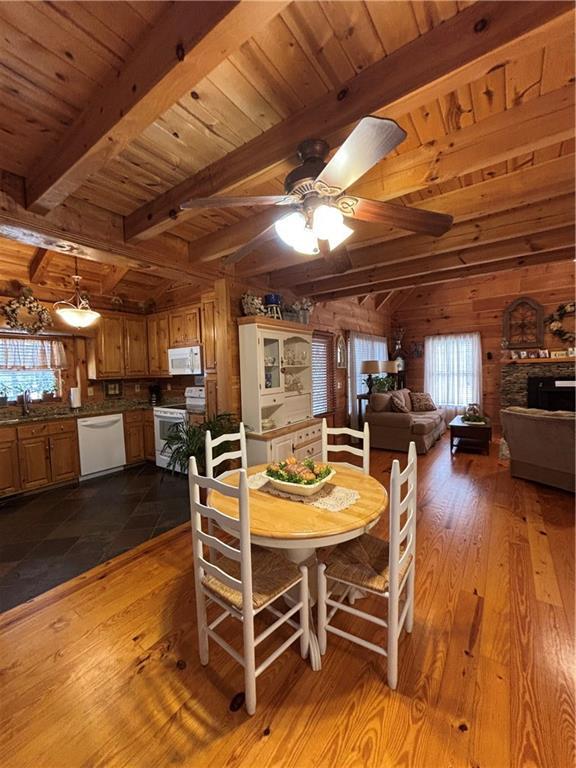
165 416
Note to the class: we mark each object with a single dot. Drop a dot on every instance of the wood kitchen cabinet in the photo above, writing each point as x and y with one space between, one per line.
135 346
107 359
149 440
9 467
134 437
185 326
158 343
211 390
48 453
119 348
34 453
64 456
209 333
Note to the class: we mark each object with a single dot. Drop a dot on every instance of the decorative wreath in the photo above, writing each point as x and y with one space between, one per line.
554 322
41 318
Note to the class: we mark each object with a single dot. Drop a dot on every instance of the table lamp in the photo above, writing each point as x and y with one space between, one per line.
390 367
371 367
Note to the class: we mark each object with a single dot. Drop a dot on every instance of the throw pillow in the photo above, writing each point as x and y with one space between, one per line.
397 403
421 401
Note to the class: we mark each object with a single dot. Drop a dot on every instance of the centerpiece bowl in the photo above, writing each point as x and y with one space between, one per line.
301 478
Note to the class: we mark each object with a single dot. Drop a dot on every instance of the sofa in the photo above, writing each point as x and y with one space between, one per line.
394 431
541 445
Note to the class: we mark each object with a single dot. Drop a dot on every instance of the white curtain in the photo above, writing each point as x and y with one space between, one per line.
361 347
31 354
453 371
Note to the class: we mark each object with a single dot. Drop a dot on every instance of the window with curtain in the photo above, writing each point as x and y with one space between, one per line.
33 364
322 373
361 347
453 370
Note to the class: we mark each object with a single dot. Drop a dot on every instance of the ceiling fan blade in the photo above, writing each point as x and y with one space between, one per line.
244 250
236 202
401 216
371 140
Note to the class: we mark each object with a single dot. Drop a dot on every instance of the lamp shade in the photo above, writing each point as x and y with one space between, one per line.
390 366
371 366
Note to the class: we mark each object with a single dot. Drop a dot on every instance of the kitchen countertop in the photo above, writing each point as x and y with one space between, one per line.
10 415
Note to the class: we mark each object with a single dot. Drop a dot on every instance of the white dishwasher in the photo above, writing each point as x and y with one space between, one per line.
101 443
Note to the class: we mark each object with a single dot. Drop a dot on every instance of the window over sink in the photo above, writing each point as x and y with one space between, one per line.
31 364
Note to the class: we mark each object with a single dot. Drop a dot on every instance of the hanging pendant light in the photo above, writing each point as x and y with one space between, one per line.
76 311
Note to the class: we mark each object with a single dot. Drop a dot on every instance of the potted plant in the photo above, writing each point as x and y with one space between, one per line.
187 440
381 383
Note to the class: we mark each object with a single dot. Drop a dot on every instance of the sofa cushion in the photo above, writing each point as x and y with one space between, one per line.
380 401
424 423
421 402
405 393
398 404
389 419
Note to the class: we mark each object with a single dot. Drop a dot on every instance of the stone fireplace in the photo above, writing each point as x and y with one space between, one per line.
532 385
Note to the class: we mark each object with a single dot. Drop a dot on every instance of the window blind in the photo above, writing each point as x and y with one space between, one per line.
322 373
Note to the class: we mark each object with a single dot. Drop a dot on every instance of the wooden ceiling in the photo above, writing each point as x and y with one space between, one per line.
112 114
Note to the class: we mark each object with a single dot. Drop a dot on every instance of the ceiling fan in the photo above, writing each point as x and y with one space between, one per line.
316 200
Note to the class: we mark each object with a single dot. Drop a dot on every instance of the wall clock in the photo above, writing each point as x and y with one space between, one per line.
524 324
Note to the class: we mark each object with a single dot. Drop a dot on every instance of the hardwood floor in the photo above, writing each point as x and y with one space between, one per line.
104 671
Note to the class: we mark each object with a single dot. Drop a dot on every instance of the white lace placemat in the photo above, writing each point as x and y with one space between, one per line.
331 497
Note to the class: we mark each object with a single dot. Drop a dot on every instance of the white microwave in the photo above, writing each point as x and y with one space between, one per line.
184 360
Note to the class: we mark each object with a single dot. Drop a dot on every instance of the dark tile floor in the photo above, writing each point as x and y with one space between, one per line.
55 535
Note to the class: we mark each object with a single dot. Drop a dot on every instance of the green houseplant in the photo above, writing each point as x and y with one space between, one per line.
186 440
383 383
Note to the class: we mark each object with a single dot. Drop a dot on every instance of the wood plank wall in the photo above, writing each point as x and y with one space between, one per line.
342 317
478 305
335 317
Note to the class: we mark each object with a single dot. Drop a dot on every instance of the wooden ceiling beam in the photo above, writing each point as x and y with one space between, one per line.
527 201
361 280
381 299
88 232
523 129
458 273
112 278
451 55
39 265
188 41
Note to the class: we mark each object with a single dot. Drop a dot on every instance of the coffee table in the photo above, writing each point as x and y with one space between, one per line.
470 434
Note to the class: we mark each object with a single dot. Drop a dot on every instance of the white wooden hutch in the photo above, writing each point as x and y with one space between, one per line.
276 384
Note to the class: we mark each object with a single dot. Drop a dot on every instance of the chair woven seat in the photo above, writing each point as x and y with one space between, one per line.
272 574
363 562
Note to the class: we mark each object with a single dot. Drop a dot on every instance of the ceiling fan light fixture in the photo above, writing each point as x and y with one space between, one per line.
293 231
325 221
338 235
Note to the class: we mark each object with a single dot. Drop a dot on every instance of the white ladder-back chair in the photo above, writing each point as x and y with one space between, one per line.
379 567
213 461
240 581
364 451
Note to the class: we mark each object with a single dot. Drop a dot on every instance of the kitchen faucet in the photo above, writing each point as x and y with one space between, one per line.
26 399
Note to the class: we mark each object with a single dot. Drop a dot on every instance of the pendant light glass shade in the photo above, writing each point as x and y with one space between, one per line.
327 224
76 312
293 231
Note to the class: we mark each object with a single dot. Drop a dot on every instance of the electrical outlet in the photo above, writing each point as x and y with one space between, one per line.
168 386
339 385
90 391
137 387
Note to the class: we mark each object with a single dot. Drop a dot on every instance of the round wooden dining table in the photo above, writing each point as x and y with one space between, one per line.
300 529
